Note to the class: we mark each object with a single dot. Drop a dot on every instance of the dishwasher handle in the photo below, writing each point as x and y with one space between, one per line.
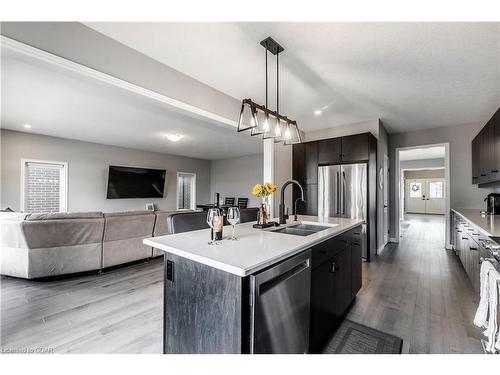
266 285
280 273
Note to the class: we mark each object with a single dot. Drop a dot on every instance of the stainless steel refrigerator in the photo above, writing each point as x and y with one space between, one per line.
343 192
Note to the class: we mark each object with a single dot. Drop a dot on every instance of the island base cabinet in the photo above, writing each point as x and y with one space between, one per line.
334 284
204 311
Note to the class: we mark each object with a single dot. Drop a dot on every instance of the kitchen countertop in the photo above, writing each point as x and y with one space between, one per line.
255 249
489 224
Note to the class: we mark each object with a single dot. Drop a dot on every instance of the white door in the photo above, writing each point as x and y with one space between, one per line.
434 203
425 196
415 196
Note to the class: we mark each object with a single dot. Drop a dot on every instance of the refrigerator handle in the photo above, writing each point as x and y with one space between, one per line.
338 194
343 192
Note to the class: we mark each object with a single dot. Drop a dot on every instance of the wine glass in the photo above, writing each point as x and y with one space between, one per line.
233 216
213 215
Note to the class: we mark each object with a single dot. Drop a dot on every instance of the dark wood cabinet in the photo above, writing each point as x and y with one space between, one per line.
305 163
330 151
486 153
336 274
311 163
341 269
349 149
356 148
322 318
356 262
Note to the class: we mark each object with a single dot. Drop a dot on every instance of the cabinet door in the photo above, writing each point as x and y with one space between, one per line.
330 151
356 262
496 147
310 206
311 162
323 319
355 148
299 162
483 156
341 269
475 160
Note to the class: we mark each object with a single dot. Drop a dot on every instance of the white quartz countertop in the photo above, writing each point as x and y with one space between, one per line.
254 250
489 224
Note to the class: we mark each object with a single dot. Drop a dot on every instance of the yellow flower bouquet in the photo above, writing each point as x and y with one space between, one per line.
264 192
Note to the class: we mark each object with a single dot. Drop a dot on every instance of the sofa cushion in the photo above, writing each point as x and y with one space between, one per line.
64 215
133 224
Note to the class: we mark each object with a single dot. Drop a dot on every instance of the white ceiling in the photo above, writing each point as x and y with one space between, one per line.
63 103
411 75
436 152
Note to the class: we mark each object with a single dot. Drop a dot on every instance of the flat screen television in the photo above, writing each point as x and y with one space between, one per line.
132 182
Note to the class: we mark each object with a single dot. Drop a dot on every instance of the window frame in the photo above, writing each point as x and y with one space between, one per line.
63 201
193 191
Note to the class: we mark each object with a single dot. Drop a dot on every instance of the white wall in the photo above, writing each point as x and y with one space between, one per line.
87 171
235 177
423 163
382 149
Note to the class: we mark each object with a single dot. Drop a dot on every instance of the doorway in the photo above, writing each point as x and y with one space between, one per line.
422 186
424 195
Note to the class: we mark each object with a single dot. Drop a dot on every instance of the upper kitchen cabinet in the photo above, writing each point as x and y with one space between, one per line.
349 149
486 153
305 163
330 151
356 148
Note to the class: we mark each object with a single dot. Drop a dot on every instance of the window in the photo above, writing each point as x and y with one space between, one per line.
186 191
436 189
43 186
415 190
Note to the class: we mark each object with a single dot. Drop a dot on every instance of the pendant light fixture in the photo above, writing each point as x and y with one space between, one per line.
259 119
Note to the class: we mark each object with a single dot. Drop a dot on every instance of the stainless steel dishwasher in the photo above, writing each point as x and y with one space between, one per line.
280 302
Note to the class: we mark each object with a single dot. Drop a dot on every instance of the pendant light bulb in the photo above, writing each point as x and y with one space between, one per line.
288 135
266 125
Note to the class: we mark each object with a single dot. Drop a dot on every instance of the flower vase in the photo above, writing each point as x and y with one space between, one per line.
263 212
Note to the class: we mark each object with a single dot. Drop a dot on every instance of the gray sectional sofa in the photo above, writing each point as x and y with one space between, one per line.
43 245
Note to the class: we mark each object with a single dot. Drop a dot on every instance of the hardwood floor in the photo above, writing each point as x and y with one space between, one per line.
120 311
419 291
416 290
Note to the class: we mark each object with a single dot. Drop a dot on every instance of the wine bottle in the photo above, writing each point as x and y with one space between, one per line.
218 225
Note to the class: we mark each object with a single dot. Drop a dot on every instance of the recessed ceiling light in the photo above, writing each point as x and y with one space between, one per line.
27 126
318 112
174 137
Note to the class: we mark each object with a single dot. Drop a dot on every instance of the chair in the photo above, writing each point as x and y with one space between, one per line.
186 222
229 201
248 214
242 202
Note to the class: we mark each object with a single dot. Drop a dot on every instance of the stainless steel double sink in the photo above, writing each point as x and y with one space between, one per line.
303 229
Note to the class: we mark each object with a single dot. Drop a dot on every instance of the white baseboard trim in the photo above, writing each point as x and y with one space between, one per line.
449 247
393 239
380 250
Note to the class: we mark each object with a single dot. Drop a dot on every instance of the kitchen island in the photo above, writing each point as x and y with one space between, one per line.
281 290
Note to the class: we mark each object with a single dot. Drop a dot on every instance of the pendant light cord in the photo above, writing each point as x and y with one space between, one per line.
266 77
277 83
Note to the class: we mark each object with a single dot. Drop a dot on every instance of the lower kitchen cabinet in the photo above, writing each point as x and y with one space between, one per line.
356 262
335 280
467 245
323 317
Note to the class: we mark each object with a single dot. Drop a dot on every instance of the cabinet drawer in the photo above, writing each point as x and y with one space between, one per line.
328 249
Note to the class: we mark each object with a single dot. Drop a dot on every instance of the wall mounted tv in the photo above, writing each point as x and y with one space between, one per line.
133 182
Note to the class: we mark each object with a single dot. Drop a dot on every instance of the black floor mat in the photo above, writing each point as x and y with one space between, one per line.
354 338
